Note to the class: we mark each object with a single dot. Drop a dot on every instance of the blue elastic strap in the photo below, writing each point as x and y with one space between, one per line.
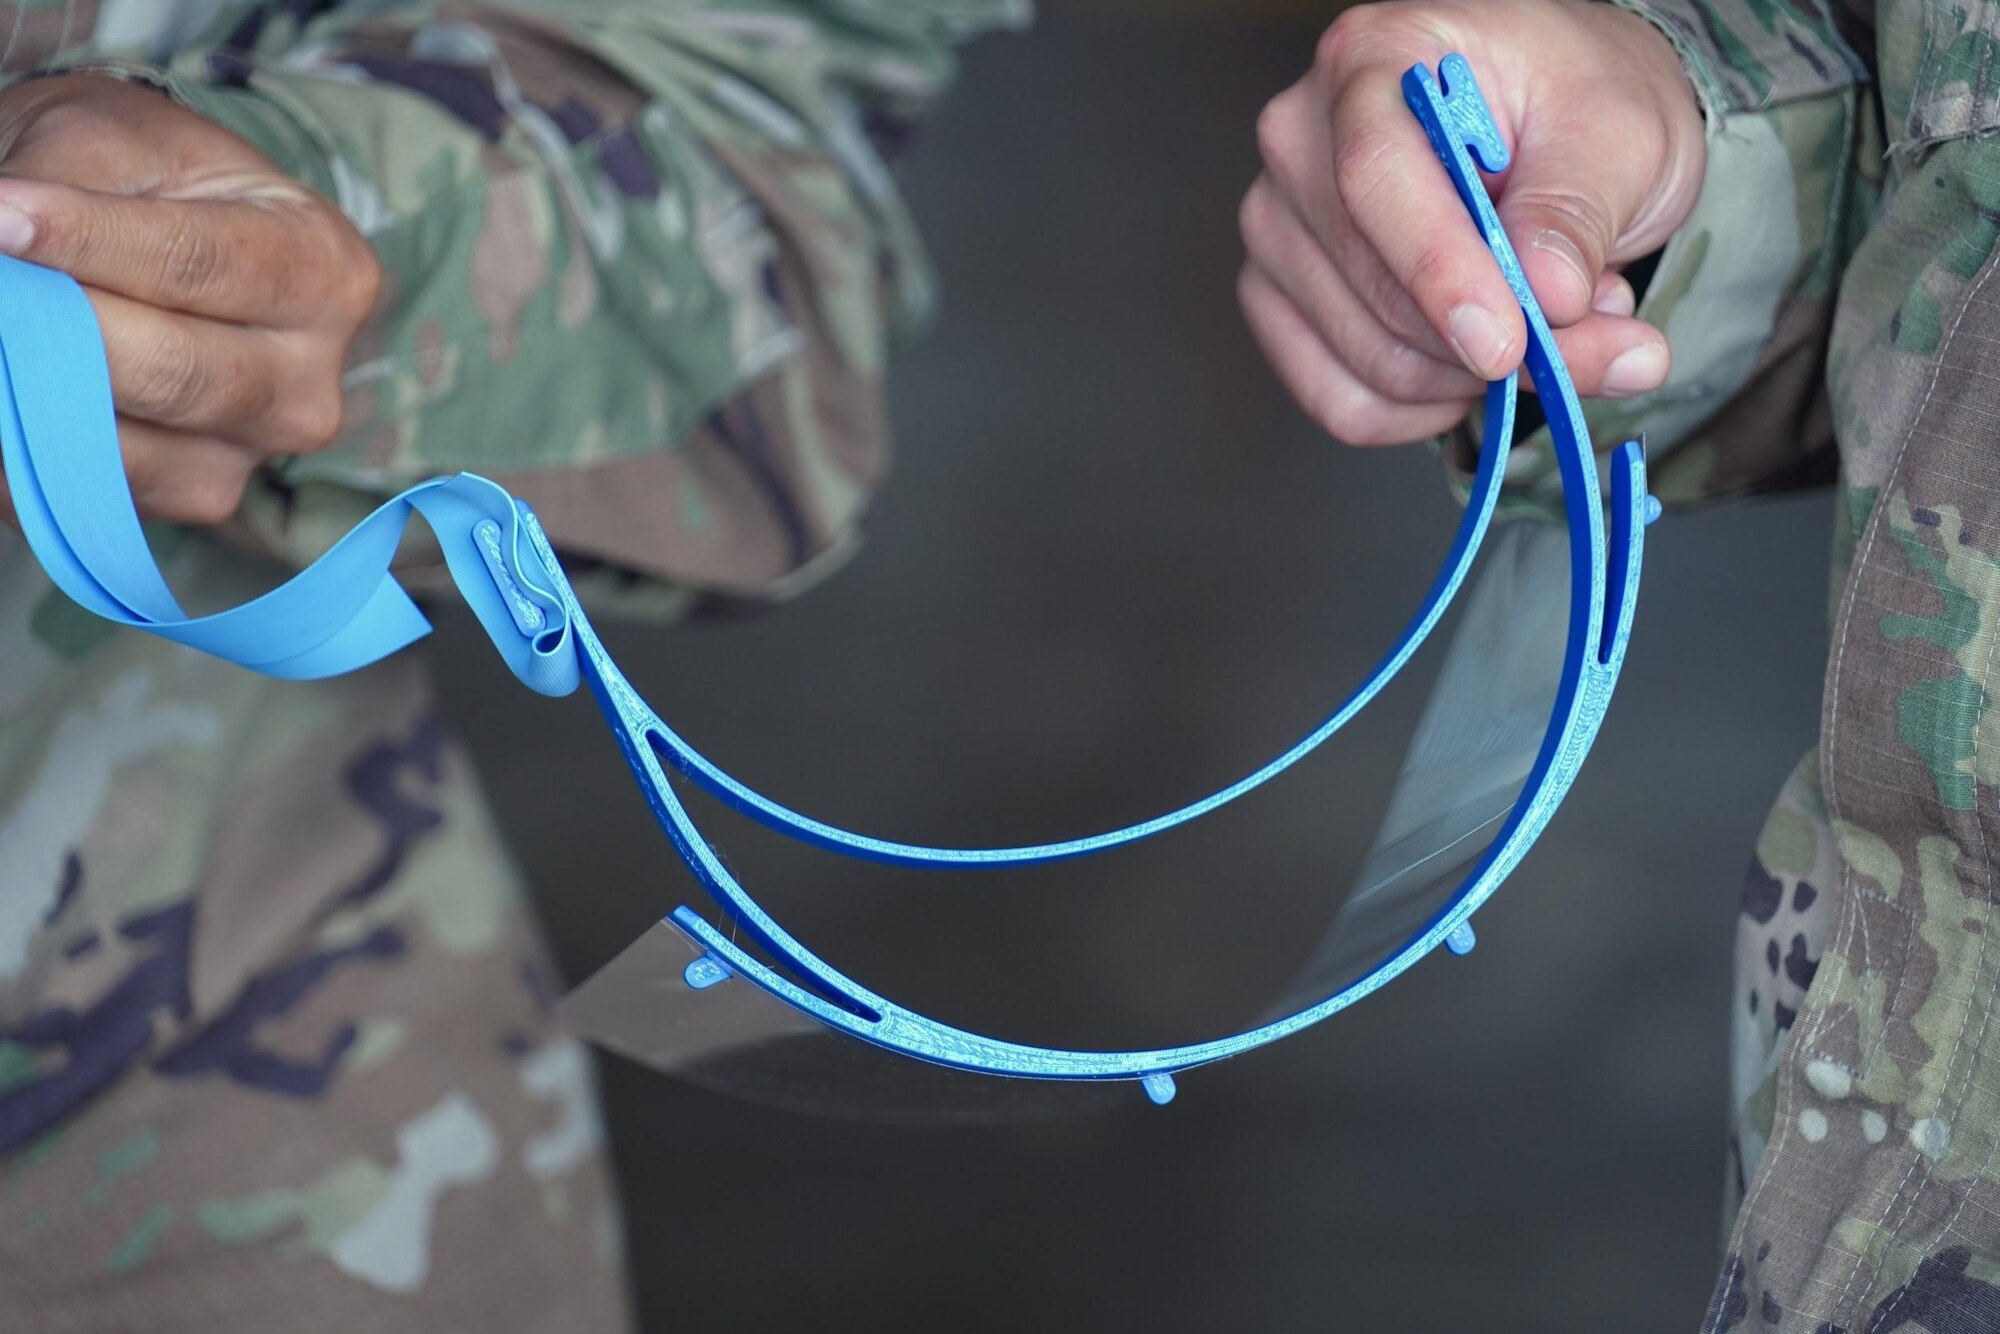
58 437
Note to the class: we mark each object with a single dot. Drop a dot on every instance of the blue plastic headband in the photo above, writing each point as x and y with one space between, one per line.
59 443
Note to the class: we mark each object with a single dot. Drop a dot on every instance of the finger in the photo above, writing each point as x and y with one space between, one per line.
183 478
1403 204
1614 295
273 260
1297 142
1614 356
1281 245
91 131
250 387
1571 215
1562 215
1341 405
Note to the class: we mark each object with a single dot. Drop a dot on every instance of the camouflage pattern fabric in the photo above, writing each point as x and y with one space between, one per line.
1832 307
274 1046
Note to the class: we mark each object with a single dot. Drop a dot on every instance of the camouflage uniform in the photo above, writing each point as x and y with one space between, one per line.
1832 314
274 1038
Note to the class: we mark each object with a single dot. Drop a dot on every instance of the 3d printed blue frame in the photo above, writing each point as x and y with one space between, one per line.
344 611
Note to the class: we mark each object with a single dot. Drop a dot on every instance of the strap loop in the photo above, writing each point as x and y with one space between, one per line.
59 441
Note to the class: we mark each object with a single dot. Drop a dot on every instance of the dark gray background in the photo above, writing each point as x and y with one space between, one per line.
1115 568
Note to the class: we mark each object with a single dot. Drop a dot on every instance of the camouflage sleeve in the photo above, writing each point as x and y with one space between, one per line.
1744 290
644 260
1749 55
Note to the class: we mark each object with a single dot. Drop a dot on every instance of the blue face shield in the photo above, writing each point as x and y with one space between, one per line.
747 1006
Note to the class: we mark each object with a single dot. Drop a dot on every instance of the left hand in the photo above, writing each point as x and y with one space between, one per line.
227 293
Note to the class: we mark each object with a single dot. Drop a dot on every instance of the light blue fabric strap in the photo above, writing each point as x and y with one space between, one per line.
59 441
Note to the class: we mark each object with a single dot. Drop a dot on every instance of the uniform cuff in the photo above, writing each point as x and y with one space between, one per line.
1748 55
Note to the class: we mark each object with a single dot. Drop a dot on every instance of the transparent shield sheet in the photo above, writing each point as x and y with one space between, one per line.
1468 760
736 1038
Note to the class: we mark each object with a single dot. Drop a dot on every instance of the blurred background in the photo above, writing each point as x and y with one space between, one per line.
1114 570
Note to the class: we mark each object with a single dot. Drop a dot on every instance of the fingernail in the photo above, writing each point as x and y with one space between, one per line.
17 230
1481 341
1551 242
1615 297
1637 370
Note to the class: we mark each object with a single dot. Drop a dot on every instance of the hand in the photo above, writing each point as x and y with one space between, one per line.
227 293
1367 283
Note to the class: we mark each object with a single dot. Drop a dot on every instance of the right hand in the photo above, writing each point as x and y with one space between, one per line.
1368 285
226 293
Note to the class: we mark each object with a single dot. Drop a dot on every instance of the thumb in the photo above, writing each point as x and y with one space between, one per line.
1561 207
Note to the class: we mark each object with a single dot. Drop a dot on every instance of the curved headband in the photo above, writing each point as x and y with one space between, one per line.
59 444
